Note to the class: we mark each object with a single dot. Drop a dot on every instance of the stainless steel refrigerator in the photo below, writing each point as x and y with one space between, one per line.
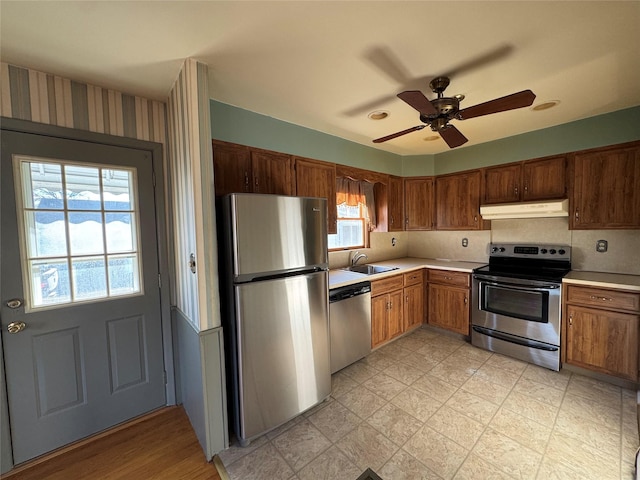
275 307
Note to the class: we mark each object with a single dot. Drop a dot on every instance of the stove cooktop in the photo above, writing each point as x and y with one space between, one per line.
528 261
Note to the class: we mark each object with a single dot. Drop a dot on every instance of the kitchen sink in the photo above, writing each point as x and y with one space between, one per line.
369 269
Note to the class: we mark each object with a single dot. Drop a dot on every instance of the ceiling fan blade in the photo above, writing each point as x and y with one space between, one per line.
399 134
386 61
452 136
502 104
501 51
417 100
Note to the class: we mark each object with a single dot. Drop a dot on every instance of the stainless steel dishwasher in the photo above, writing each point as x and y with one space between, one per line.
349 324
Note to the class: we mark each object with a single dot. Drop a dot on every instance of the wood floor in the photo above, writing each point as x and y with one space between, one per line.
163 446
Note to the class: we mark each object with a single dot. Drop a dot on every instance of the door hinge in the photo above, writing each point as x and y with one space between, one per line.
159 281
164 377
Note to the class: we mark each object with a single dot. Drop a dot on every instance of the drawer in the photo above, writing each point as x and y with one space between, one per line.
412 278
601 297
386 285
448 277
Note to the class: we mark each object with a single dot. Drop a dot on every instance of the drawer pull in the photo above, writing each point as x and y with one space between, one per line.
604 299
571 320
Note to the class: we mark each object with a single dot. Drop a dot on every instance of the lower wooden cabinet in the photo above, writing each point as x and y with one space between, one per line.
602 330
413 293
449 294
396 306
386 310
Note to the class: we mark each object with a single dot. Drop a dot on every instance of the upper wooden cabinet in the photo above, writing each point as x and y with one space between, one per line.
231 168
605 188
318 179
458 201
418 203
238 169
395 203
271 172
542 179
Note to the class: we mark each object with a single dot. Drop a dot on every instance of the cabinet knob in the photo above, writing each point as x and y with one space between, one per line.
475 218
570 320
516 190
577 214
466 300
526 188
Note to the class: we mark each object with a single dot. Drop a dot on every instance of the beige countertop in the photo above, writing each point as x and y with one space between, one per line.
340 278
606 280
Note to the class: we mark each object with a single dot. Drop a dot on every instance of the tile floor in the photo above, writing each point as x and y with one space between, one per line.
429 406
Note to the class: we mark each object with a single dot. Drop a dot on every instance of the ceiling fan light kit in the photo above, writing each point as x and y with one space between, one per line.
437 113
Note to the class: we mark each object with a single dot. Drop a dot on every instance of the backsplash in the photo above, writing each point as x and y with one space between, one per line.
622 256
381 249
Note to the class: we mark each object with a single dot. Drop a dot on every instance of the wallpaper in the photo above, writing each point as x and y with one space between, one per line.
44 98
193 207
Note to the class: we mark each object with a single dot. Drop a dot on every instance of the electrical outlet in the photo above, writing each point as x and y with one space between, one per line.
465 242
602 246
393 242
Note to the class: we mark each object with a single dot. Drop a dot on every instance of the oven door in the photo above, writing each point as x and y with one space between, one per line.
525 308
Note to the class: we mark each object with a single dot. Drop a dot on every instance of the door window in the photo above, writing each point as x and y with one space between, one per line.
79 235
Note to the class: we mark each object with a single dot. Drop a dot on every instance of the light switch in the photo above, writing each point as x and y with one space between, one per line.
602 246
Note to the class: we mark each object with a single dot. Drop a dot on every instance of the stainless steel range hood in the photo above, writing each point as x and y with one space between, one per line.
546 208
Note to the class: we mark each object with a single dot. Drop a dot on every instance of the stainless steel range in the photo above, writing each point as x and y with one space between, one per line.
516 301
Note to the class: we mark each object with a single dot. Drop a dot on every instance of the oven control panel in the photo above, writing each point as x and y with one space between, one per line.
534 251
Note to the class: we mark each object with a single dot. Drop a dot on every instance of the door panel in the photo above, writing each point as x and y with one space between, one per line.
82 364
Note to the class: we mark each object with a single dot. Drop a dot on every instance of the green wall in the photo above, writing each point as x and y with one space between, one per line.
236 125
232 124
608 129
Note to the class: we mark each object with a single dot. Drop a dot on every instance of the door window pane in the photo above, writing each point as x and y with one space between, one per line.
46 233
85 233
120 232
82 188
80 231
50 282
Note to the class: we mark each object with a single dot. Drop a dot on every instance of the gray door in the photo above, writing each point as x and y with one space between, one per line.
79 289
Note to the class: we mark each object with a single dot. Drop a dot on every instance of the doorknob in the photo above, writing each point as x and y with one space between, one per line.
16 327
14 303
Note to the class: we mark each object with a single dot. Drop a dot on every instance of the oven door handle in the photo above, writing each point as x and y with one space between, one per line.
517 286
517 340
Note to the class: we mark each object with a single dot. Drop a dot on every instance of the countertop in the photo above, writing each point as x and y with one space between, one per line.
606 280
340 278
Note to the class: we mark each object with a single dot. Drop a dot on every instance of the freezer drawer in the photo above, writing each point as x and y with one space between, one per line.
273 234
282 350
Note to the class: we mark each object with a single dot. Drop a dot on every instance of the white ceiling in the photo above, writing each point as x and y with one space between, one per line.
320 64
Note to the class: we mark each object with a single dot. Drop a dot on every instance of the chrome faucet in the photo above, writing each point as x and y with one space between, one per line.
356 257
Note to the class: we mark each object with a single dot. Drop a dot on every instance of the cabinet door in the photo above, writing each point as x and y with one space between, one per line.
379 313
418 203
502 184
458 201
606 189
449 308
231 168
271 173
396 204
395 319
318 179
544 179
413 307
603 341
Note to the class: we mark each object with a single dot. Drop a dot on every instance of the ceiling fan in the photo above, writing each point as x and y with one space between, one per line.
438 112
